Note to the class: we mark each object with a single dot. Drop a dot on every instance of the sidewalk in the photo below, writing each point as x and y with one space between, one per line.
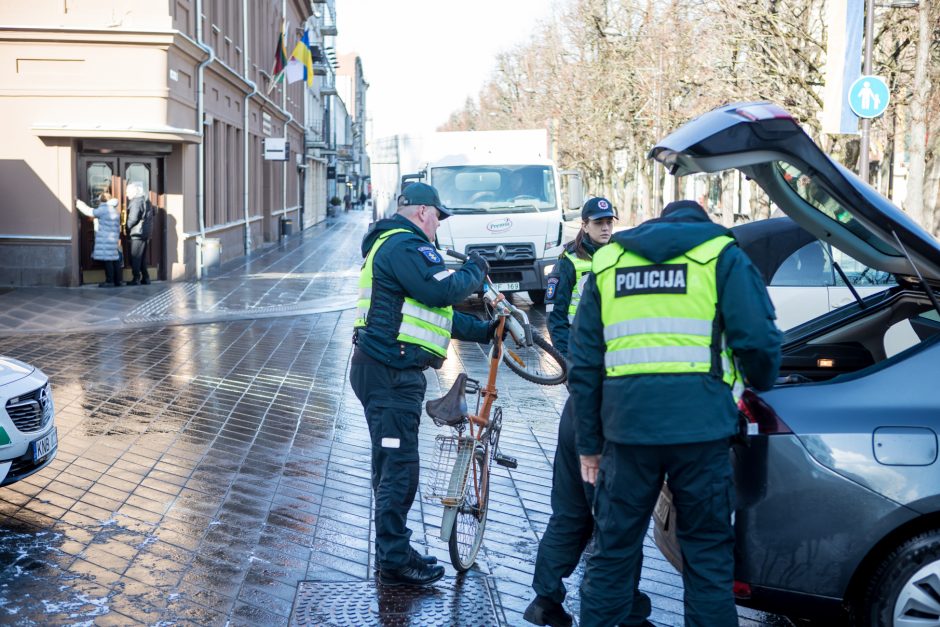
313 272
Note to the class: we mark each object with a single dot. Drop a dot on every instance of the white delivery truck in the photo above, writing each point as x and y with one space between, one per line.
504 191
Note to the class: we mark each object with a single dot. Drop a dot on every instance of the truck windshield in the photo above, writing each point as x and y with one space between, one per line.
495 188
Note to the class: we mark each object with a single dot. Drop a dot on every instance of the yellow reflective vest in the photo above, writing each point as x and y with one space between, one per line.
581 267
427 327
662 318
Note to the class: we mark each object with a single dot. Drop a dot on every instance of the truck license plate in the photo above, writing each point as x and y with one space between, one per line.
44 445
507 287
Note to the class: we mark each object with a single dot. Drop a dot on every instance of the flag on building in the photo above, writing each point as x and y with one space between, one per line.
300 65
280 60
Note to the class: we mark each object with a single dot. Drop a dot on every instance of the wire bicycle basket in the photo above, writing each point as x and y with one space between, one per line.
450 468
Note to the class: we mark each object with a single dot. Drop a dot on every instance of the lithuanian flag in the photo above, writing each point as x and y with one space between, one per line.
280 60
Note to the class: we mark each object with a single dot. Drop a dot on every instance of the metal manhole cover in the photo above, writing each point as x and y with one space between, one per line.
466 601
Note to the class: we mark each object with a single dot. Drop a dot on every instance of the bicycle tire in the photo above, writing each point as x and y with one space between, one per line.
470 521
515 360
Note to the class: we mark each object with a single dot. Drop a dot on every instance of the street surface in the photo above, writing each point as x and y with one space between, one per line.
212 456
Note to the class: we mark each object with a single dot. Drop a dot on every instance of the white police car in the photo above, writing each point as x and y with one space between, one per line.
28 439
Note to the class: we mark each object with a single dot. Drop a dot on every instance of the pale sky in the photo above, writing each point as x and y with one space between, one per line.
422 58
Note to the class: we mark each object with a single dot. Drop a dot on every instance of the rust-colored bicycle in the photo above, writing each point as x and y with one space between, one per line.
463 461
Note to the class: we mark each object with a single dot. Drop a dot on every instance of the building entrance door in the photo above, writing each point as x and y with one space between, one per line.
111 174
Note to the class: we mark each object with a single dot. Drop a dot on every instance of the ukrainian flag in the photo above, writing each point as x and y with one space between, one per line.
303 56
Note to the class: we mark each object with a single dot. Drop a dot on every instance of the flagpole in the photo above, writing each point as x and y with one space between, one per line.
280 53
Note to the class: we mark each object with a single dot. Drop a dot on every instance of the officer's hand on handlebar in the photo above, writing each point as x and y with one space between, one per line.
481 263
491 332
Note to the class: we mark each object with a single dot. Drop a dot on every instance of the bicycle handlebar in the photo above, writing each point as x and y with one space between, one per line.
522 335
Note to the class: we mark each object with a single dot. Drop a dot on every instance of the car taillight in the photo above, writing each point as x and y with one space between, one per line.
759 413
741 590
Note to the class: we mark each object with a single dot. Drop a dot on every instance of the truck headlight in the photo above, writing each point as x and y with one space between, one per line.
548 269
552 243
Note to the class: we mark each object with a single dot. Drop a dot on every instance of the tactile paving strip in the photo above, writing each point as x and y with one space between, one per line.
467 601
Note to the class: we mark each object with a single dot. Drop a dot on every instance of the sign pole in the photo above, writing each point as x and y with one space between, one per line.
866 70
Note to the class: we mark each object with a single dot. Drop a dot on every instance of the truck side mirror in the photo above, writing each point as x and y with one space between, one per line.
575 196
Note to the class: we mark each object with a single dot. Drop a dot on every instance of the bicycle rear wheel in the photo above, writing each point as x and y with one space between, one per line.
470 521
540 363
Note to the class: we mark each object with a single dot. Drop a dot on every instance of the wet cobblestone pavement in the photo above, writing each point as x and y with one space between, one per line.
205 470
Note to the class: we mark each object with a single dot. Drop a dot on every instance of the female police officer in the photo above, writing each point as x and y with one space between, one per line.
571 525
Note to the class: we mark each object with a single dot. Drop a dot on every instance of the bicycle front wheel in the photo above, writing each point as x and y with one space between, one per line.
540 363
467 534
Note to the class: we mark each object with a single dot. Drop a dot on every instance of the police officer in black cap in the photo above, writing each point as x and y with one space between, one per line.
562 293
404 323
572 523
673 319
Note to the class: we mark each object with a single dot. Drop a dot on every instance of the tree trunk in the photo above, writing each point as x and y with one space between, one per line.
914 204
932 197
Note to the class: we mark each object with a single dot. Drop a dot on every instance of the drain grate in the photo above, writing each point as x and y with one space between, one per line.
465 600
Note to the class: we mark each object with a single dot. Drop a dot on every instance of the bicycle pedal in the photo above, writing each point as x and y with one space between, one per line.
506 461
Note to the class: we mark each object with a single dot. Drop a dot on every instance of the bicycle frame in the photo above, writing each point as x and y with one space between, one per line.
479 421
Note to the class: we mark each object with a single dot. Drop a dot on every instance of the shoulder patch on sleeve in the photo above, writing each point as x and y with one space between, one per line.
551 287
430 255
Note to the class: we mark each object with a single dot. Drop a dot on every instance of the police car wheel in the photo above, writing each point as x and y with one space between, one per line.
905 589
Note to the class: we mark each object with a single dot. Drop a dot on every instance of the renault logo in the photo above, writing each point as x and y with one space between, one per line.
500 252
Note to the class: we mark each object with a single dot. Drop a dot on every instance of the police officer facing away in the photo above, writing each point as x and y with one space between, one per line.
673 319
404 324
572 524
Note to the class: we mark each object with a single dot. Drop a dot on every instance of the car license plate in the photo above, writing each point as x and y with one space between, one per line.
44 445
507 287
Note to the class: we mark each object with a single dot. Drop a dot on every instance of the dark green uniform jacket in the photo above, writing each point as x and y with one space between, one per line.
559 296
672 408
407 264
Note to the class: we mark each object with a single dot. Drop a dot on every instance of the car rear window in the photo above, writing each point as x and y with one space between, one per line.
813 193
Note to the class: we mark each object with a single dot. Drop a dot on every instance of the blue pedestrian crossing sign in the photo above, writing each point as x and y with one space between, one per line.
868 96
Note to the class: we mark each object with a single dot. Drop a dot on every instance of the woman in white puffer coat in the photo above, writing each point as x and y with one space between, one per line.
107 237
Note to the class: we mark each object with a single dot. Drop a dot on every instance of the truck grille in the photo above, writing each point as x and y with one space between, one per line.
32 411
504 254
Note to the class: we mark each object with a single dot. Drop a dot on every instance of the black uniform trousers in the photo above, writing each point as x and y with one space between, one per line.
392 402
628 485
571 526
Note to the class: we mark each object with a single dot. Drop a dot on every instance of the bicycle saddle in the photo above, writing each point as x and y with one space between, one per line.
450 409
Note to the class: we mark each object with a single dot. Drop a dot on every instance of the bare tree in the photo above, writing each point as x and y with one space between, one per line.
918 129
608 78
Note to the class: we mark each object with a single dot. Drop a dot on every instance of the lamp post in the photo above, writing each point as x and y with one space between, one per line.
863 166
863 162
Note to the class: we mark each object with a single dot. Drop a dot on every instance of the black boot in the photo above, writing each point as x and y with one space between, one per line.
417 559
411 575
544 611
